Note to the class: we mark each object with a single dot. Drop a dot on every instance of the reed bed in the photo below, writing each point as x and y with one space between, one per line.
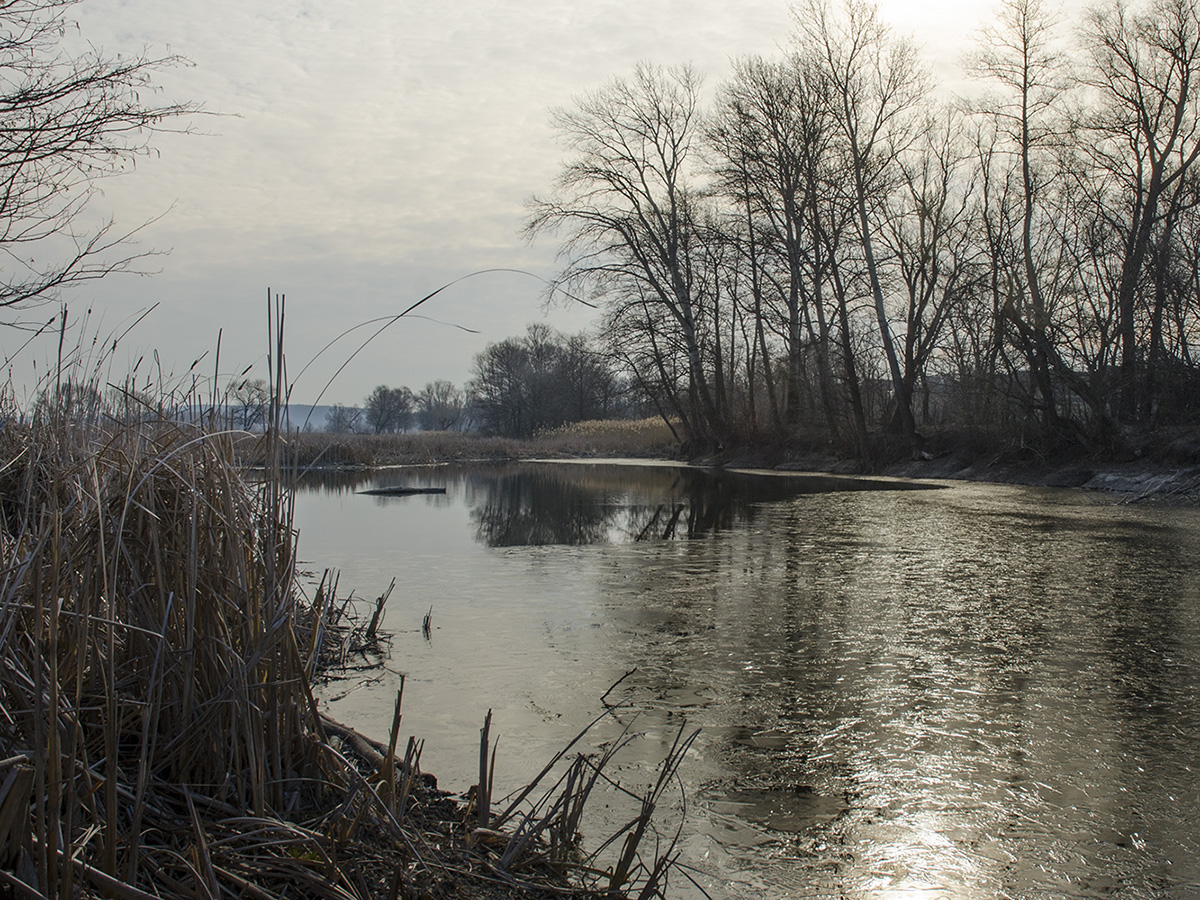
640 438
319 450
159 735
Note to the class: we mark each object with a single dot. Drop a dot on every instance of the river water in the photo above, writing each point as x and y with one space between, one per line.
903 691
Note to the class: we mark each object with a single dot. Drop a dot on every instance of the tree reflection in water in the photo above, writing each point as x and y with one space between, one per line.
519 506
539 504
536 504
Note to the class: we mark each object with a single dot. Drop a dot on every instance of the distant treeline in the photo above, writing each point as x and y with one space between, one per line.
520 386
820 251
439 406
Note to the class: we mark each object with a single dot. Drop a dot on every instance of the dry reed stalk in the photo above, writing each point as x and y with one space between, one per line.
373 626
532 835
645 438
143 651
629 861
483 790
411 769
387 773
151 636
158 731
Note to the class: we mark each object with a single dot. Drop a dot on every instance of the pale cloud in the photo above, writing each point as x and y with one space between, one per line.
367 152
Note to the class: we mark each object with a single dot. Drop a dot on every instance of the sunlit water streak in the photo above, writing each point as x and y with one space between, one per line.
971 692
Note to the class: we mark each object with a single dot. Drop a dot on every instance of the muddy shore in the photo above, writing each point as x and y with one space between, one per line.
1137 480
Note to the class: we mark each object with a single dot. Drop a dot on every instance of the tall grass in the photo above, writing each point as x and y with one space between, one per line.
640 438
150 643
159 735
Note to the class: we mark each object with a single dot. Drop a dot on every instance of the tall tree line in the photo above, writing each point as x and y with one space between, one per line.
823 251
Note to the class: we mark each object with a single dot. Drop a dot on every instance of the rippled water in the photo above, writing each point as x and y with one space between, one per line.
973 691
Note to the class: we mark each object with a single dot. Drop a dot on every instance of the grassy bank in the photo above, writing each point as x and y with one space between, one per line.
642 438
159 735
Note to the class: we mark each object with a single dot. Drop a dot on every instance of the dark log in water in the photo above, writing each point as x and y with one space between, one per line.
404 491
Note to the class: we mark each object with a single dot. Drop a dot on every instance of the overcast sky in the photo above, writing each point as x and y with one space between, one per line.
369 152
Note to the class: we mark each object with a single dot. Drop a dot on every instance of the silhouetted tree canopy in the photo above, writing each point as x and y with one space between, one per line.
829 254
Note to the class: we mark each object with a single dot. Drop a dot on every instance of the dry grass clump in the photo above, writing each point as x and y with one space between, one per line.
152 667
158 732
317 450
643 438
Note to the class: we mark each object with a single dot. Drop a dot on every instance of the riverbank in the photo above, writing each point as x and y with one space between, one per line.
1162 468
1172 476
1129 480
641 438
1137 481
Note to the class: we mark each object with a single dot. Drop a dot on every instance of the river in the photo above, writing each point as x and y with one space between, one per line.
904 691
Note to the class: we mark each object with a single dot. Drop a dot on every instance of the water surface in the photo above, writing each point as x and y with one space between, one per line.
974 691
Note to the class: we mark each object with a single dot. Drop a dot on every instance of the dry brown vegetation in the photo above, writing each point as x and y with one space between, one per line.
650 437
159 735
643 438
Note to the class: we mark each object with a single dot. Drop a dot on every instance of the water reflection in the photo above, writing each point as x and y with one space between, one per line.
972 693
338 481
539 504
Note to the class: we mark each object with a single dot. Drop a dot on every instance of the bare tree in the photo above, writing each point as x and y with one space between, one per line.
825 244
388 410
440 406
1146 68
929 235
499 389
66 120
1022 55
342 419
248 403
540 380
875 84
630 217
772 136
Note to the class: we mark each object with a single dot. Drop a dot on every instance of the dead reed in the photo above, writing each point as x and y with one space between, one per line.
154 658
641 438
158 732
